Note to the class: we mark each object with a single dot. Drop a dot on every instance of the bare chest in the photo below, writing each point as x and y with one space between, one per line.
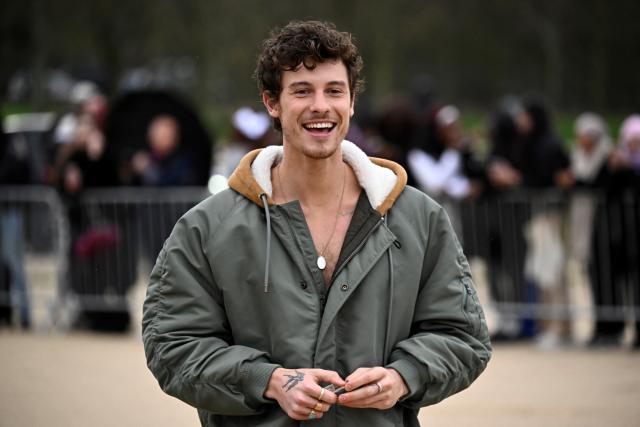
328 233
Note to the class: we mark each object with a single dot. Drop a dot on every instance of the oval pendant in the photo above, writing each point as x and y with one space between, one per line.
321 262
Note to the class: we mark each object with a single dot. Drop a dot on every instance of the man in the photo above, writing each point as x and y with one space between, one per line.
318 272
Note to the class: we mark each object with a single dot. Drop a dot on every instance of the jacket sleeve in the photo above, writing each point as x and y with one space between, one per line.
449 344
186 334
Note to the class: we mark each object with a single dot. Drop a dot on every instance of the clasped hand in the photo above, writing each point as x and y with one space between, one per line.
300 395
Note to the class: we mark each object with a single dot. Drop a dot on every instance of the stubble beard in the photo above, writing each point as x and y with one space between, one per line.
317 151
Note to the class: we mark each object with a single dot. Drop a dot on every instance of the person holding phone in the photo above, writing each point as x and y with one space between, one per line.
319 286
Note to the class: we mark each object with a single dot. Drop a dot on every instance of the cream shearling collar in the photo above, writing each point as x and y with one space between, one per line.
377 181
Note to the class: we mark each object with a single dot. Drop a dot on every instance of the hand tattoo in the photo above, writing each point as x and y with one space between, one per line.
293 380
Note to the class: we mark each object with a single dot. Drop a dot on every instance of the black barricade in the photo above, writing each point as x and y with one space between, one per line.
536 248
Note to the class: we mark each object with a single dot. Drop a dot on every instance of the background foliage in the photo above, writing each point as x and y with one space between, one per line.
580 54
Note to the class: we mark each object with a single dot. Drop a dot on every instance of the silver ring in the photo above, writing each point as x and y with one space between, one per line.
312 415
379 387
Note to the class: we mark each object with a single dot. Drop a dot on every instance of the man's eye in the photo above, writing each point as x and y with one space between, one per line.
301 92
336 92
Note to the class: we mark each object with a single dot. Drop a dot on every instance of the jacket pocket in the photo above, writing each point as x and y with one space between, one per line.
471 306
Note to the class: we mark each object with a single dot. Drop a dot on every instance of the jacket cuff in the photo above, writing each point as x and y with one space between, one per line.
410 373
256 380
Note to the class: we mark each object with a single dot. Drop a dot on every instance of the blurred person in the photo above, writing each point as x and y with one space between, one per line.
86 101
364 133
357 292
590 152
442 163
500 243
616 242
397 126
527 153
15 169
65 128
548 168
99 258
250 131
128 131
526 158
164 162
86 151
629 150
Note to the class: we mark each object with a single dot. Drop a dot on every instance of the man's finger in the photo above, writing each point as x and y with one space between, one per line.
328 377
360 377
362 393
372 402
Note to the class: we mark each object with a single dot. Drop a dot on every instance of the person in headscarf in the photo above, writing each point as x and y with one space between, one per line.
591 150
439 165
630 143
589 155
250 130
616 241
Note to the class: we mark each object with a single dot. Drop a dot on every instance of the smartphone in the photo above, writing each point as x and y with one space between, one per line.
338 391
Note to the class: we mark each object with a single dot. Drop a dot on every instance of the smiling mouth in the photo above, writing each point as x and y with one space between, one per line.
320 127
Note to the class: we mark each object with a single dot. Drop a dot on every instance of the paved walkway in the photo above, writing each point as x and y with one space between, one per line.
80 380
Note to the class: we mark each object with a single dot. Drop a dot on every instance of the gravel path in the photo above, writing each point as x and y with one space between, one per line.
102 380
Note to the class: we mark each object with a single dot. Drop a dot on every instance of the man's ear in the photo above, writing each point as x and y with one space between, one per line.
273 107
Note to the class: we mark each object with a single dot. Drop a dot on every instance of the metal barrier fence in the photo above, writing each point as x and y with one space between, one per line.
33 233
556 255
83 255
73 261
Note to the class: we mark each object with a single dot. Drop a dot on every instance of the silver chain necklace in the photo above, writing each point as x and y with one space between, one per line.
321 262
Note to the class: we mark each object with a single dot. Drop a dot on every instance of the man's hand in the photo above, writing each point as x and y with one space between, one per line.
378 387
298 392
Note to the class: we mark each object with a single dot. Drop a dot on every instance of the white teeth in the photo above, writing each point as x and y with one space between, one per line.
319 125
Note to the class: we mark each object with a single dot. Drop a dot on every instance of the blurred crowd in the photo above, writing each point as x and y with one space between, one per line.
539 212
496 186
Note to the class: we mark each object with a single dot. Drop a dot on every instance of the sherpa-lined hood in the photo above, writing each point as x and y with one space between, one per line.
382 180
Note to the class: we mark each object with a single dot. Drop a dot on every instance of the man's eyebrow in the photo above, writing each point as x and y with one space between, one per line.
298 84
294 85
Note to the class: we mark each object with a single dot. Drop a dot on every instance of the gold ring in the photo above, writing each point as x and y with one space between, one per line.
318 406
379 387
321 394
312 415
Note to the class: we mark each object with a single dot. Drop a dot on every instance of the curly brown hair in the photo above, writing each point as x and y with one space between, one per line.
306 43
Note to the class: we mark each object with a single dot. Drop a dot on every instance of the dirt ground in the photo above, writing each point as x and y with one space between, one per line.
102 380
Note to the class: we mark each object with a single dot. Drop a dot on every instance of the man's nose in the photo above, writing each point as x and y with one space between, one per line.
320 104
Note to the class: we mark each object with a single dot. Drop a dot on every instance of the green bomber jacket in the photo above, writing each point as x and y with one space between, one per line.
235 293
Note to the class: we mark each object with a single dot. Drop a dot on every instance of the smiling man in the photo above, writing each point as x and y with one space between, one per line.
318 286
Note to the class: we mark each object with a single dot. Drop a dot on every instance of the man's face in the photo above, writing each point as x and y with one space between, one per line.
314 108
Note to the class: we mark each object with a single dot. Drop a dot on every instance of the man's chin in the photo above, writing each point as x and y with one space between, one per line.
321 151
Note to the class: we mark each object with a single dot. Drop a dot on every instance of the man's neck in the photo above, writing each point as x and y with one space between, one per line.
314 182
